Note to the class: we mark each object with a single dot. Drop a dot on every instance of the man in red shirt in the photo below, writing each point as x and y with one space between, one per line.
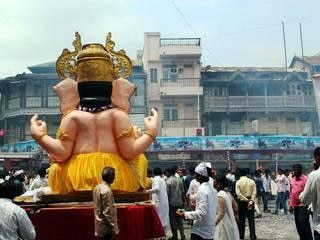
301 215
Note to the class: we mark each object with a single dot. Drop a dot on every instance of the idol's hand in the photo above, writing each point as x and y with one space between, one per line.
151 122
37 127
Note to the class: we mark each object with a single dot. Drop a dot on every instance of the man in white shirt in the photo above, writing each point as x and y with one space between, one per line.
282 183
14 221
311 194
40 181
160 197
266 180
206 207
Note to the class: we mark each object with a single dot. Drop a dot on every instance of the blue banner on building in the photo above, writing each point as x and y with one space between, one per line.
235 142
26 146
230 142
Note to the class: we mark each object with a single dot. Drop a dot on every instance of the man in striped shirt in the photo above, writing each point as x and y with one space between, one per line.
14 221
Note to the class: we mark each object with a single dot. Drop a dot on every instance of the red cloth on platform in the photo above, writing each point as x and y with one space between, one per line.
77 223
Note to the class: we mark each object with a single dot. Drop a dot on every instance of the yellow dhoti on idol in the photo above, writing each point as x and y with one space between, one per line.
83 172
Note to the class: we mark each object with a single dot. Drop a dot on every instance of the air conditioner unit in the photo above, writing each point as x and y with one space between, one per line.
173 70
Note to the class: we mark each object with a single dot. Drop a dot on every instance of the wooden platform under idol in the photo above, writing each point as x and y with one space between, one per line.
86 196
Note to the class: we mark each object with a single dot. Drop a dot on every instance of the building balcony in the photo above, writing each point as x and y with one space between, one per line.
180 87
259 103
179 47
29 111
180 127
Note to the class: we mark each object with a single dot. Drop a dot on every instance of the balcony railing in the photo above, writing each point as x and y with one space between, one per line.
180 42
180 82
53 101
33 102
275 102
180 123
14 103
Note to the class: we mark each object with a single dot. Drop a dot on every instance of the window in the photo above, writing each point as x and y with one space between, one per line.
50 88
170 72
294 89
165 74
153 75
217 92
36 90
170 112
14 90
316 69
307 91
189 104
235 119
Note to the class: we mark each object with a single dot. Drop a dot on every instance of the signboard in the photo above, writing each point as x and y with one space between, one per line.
234 142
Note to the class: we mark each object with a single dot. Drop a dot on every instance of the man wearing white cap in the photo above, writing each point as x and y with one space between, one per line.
206 207
194 186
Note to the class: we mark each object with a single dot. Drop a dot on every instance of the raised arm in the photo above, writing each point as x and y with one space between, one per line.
128 143
59 149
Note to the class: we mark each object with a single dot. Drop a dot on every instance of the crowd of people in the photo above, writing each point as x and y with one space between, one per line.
215 205
14 221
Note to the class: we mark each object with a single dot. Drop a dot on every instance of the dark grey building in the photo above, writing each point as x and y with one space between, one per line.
258 100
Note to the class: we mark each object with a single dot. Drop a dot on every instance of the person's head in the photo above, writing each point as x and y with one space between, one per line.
7 189
149 173
166 172
19 175
157 171
221 182
171 171
280 171
108 175
180 172
191 170
287 172
257 173
267 172
175 167
42 172
316 155
243 172
297 170
202 173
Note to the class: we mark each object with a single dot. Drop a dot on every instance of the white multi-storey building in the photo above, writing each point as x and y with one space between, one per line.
173 82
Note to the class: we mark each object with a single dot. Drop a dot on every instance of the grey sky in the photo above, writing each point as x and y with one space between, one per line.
233 32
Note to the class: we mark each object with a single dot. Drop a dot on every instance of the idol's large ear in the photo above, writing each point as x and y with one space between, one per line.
67 91
122 90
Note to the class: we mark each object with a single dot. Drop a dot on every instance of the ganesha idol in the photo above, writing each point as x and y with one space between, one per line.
95 129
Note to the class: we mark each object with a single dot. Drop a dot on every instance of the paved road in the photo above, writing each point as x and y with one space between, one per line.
268 227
